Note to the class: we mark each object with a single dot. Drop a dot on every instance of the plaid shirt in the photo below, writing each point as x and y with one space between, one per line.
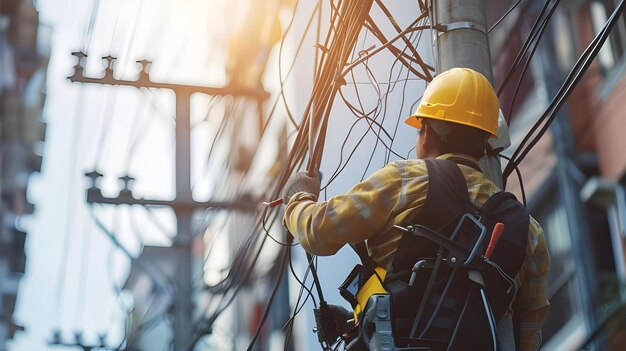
395 194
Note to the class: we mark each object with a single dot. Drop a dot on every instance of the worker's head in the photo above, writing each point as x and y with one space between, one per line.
457 114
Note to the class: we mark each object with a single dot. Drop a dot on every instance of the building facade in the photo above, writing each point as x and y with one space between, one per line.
23 59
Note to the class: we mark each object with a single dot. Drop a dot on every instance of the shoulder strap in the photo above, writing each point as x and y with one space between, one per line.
448 196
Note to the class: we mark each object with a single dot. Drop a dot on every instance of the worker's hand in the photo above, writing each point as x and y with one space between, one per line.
302 182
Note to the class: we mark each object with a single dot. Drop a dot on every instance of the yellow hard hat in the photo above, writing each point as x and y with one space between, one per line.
459 95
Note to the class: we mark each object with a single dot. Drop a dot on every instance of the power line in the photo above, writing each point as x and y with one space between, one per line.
535 45
529 40
574 76
505 15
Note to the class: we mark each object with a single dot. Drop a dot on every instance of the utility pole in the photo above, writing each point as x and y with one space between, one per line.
183 204
462 41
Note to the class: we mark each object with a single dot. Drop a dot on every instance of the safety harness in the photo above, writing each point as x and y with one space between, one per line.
451 278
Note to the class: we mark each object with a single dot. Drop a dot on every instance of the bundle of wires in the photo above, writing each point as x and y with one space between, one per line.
346 22
348 18
574 76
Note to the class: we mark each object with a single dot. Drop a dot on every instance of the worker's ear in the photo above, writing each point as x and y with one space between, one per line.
427 140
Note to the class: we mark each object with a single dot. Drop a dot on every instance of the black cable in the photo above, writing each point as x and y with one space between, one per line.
281 271
531 37
267 232
504 16
288 327
535 45
316 279
519 178
341 167
376 111
383 107
225 301
280 51
576 73
398 119
302 283
382 103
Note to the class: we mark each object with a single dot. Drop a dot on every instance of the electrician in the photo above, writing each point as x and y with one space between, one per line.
457 115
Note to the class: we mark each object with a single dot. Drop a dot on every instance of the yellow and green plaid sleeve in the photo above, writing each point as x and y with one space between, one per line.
533 296
369 208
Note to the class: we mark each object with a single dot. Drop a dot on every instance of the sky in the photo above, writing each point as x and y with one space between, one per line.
74 272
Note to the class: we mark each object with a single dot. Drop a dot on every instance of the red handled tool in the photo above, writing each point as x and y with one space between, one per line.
495 236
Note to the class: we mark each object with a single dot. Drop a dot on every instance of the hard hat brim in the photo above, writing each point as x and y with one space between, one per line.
414 121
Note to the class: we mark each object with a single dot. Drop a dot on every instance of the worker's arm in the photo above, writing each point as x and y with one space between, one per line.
533 298
369 207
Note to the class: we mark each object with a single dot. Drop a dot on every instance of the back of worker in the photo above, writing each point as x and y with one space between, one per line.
456 116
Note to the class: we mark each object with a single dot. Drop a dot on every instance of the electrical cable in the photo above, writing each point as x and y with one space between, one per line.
388 44
61 276
280 51
535 45
519 178
244 253
279 278
401 109
575 74
288 327
321 135
92 23
531 37
371 121
342 26
381 37
337 53
340 168
382 106
504 16
390 88
408 45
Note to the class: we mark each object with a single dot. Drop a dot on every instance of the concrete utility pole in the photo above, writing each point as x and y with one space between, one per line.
462 41
183 205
